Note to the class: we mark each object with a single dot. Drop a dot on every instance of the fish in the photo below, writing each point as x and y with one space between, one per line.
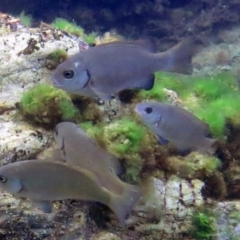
176 125
43 182
107 69
82 151
77 146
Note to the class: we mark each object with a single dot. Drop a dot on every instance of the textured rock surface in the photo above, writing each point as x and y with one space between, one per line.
23 55
165 209
228 220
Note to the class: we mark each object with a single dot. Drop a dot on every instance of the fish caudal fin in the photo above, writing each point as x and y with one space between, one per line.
122 205
178 59
212 145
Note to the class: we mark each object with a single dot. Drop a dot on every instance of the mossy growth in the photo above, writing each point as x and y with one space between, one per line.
215 99
55 58
26 20
203 225
194 165
73 28
123 138
46 104
218 99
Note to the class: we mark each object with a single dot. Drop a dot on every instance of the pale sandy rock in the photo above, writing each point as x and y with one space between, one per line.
165 209
105 236
23 54
19 140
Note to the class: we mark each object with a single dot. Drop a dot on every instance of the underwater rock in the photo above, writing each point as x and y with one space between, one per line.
23 54
105 236
166 206
10 95
19 140
227 219
20 220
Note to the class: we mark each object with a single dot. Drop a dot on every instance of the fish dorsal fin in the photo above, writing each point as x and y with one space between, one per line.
146 44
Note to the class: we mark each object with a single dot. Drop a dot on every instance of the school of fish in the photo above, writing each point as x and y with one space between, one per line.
80 169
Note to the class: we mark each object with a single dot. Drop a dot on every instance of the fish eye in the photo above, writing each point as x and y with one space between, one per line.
3 179
148 110
68 74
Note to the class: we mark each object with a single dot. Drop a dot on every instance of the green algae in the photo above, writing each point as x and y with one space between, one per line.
203 225
73 28
45 104
192 166
124 136
26 19
123 139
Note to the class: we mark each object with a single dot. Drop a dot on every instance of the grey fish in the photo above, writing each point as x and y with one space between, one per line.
109 68
174 124
82 151
45 181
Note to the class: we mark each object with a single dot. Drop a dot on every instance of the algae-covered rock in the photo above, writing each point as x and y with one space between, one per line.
192 166
46 104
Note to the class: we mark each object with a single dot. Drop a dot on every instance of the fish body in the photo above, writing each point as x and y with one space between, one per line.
110 68
47 181
174 124
82 151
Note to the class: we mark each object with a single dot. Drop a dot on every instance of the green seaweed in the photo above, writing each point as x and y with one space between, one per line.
45 104
123 138
73 28
203 225
26 19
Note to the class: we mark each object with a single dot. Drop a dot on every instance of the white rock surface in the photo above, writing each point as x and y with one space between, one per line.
166 207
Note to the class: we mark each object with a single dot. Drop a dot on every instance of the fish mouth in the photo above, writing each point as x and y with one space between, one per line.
158 121
55 83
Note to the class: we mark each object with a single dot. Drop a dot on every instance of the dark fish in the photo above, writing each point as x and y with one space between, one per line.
109 68
46 181
174 124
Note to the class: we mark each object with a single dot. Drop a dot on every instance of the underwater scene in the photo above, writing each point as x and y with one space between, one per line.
120 120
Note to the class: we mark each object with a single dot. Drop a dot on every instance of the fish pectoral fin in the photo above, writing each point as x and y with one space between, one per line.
184 151
148 83
100 94
45 206
15 186
162 140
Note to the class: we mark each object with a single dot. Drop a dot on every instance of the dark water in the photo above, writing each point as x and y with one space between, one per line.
169 20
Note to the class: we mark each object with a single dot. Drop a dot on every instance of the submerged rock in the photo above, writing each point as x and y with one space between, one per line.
165 209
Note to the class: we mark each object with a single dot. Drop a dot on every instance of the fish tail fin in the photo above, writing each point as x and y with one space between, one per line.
122 204
212 145
209 146
178 59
